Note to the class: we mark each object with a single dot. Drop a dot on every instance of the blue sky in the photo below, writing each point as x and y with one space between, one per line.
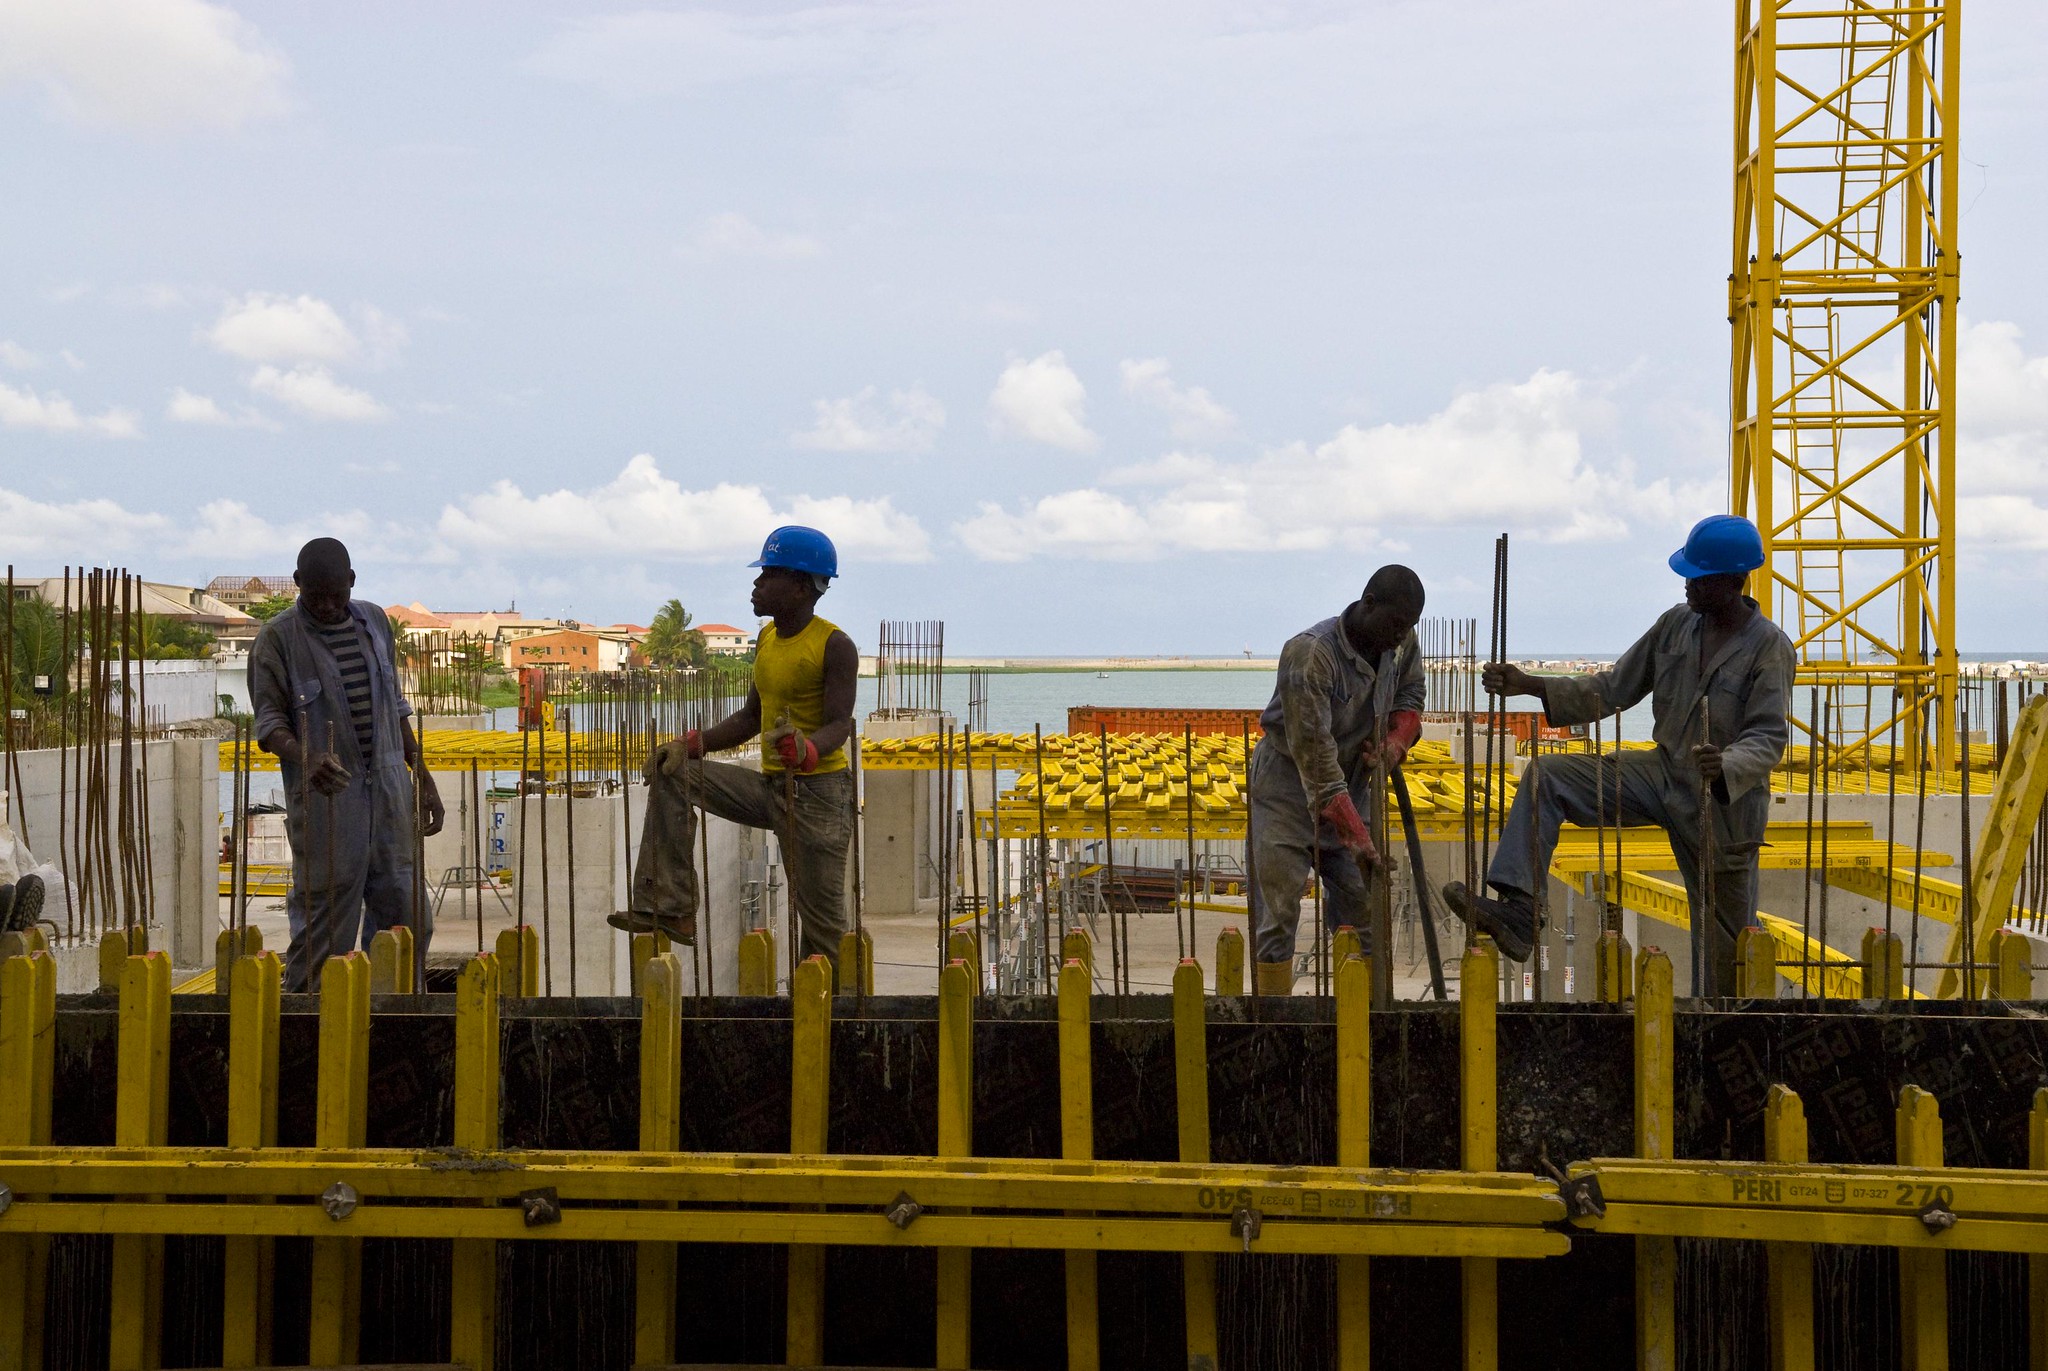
1131 328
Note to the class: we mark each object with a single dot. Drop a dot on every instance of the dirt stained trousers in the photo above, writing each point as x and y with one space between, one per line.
352 871
1284 849
813 854
1581 790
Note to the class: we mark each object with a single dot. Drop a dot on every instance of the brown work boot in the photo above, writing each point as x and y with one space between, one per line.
1509 921
681 931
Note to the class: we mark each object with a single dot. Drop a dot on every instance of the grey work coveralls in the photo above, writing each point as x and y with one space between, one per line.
352 853
1748 691
1328 700
814 858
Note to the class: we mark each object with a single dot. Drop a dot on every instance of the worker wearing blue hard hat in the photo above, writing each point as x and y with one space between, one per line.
1719 676
801 707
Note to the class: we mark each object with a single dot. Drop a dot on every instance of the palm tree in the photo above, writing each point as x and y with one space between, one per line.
671 642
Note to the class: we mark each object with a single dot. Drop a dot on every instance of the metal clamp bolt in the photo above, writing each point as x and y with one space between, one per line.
541 1207
1938 1218
340 1200
1245 1223
903 1210
6 1197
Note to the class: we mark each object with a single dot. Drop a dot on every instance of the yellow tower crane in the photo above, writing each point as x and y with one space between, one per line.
1842 379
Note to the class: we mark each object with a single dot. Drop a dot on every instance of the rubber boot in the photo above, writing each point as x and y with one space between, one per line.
1275 978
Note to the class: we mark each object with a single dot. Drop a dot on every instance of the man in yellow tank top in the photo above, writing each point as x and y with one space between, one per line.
801 707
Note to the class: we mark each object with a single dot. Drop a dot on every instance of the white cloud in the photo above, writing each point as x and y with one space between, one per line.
313 392
1507 456
1044 401
2008 522
52 413
735 235
1192 414
188 408
908 422
71 359
146 65
642 512
650 52
17 357
40 528
281 328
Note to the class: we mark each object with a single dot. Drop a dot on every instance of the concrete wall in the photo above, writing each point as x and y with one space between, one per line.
600 880
902 824
183 837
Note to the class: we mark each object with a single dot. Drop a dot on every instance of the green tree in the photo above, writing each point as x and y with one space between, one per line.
38 650
270 606
671 642
160 638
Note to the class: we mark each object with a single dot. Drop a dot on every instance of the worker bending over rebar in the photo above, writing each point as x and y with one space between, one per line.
1719 674
801 706
323 677
1346 707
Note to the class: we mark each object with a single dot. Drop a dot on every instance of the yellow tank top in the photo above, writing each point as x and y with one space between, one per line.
789 674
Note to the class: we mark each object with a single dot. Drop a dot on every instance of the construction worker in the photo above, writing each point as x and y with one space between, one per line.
1348 699
1719 674
801 706
323 677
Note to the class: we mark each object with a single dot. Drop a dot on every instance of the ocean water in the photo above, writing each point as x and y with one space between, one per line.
1018 701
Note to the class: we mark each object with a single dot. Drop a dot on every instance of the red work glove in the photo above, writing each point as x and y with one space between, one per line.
798 753
1340 816
1404 726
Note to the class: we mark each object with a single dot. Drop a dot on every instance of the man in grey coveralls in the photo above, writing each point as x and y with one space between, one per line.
324 682
1347 698
1716 655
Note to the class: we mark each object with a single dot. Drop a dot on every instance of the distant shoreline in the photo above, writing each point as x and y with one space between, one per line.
1000 666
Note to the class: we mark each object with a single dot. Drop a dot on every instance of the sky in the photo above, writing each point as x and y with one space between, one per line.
1133 328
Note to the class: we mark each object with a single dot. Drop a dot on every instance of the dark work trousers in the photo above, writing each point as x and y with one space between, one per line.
1284 847
814 856
352 870
1562 789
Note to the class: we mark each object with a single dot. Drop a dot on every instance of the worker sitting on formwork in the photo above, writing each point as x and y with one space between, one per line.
1346 702
1719 675
801 703
323 678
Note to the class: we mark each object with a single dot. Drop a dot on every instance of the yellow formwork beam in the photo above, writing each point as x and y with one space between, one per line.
1177 1190
28 1039
1354 1149
2003 844
955 1290
1077 1143
341 1119
1656 1131
1479 1139
255 984
1789 1265
473 1288
142 1096
659 982
810 1077
1191 1108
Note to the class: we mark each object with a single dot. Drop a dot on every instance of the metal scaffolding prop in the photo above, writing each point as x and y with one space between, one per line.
1843 299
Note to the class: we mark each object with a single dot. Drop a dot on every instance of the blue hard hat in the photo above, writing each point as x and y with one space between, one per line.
799 549
1719 545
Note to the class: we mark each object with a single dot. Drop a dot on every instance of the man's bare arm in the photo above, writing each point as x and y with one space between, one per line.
842 681
736 727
